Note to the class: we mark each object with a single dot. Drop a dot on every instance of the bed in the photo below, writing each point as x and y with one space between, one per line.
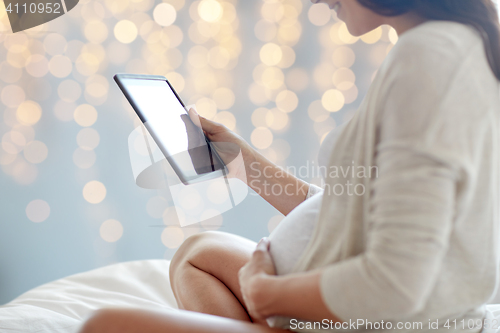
61 306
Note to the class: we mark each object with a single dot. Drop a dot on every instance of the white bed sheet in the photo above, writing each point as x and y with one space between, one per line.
61 306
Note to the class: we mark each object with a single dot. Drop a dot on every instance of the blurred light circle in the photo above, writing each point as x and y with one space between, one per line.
210 10
271 54
172 237
343 79
218 57
211 219
96 86
12 95
333 100
282 148
217 192
351 95
125 31
272 11
13 142
189 198
345 36
94 192
319 14
29 113
164 14
88 138
289 34
85 115
373 36
172 36
257 94
178 4
156 206
259 117
55 44
287 101
224 98
198 56
18 60
9 147
261 137
38 211
27 132
64 110
288 58
96 32
317 112
173 216
84 159
38 89
24 173
111 230
35 152
297 79
74 49
6 158
323 75
206 107
343 56
177 81
276 119
140 146
37 65
17 43
118 53
10 74
69 90
87 64
265 30
273 222
60 66
227 119
393 36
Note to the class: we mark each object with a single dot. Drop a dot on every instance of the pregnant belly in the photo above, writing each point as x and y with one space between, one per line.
291 236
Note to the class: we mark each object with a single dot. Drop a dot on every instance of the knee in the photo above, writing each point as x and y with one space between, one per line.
104 320
193 250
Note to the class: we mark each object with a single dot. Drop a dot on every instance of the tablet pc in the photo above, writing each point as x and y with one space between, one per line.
164 115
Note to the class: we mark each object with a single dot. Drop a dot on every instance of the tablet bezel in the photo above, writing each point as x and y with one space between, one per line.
187 181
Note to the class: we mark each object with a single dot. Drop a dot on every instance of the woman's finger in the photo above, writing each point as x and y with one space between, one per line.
202 122
263 244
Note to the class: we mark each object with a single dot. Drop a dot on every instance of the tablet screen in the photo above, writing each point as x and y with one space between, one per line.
166 119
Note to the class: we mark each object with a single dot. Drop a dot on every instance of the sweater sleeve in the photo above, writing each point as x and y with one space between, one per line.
313 189
412 202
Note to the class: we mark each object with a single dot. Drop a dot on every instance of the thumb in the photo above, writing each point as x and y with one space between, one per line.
202 122
263 244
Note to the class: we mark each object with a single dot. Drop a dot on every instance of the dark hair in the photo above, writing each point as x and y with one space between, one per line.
481 14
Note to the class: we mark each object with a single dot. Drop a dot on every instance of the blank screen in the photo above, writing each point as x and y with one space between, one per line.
180 140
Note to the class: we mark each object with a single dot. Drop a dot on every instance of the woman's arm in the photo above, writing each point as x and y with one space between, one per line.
278 187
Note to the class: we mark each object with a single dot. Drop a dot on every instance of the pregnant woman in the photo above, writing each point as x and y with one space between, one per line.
407 242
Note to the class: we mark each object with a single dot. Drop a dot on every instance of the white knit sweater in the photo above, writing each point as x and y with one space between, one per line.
420 243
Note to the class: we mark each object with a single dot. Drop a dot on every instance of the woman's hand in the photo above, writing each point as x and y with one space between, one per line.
251 278
236 153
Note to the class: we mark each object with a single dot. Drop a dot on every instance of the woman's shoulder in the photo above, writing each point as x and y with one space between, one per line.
435 44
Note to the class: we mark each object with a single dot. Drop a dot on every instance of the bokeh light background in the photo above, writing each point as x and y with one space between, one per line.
281 73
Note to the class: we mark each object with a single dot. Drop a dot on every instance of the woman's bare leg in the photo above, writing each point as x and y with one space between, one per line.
139 321
204 274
